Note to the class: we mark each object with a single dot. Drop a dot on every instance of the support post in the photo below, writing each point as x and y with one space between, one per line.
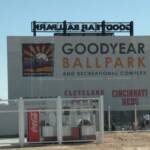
135 117
131 28
103 28
59 120
109 120
100 133
21 121
64 27
34 28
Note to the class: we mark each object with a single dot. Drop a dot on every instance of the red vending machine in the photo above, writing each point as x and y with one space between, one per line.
33 126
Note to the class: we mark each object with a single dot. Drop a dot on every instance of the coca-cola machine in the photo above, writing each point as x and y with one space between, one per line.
33 126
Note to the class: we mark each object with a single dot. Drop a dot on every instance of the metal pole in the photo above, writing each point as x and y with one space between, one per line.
64 27
100 133
103 28
21 121
131 28
135 117
59 120
109 122
102 118
34 28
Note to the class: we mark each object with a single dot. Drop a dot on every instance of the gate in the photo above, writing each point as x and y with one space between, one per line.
52 120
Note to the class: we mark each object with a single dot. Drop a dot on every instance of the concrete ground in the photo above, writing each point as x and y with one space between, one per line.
112 141
8 141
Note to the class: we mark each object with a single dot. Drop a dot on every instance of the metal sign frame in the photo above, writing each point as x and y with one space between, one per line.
68 28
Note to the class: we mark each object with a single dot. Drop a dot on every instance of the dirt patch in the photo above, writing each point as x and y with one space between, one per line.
112 141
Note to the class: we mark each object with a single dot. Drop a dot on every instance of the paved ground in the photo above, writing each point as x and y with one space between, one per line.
8 141
112 141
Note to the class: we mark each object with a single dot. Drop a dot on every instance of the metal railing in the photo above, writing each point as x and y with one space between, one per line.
136 118
58 126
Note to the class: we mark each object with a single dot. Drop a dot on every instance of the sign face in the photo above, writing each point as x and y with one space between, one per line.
81 66
102 58
38 59
82 27
33 126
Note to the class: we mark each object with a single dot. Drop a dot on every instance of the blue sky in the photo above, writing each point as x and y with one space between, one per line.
16 16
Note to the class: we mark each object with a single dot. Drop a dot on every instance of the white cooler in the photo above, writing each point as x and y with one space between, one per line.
48 131
66 131
88 130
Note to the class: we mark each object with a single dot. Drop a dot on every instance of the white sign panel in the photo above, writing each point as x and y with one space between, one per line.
102 57
81 66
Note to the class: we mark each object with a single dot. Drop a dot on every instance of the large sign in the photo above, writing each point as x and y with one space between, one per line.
82 27
102 58
81 66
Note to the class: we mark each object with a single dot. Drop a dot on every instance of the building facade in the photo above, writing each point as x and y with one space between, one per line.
80 66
